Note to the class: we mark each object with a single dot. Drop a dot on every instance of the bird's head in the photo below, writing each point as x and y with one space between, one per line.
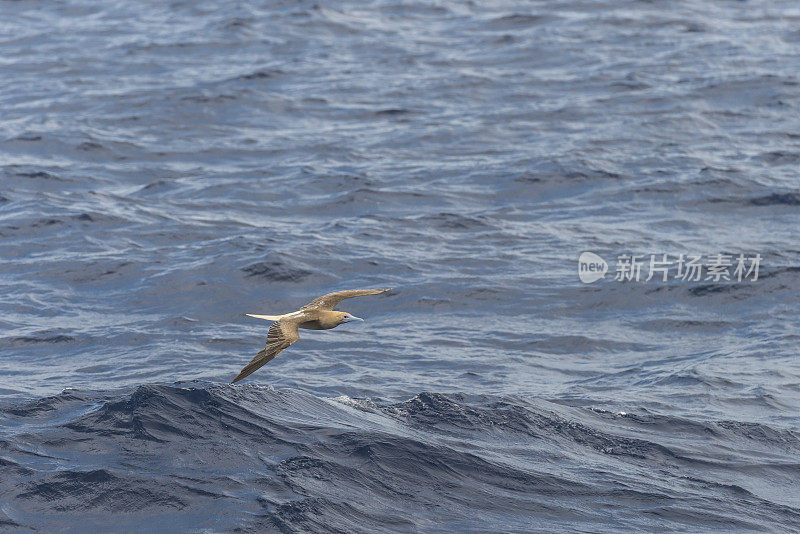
345 317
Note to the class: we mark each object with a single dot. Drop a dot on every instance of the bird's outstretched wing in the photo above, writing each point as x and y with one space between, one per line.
329 301
281 334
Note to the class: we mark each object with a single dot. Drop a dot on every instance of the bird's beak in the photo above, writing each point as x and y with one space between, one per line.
354 318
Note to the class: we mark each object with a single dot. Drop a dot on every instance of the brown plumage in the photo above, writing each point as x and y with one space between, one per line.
316 315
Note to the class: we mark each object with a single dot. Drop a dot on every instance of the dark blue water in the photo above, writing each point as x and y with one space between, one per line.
166 168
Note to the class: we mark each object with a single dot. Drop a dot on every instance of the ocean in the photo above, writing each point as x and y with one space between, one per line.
168 167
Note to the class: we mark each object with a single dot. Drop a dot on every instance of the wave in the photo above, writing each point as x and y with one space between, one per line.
253 458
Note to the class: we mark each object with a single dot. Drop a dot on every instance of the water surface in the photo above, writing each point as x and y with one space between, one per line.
167 167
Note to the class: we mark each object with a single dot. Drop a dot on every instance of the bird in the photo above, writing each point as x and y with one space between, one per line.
316 315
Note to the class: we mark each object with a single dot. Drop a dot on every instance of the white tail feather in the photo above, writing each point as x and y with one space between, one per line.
266 317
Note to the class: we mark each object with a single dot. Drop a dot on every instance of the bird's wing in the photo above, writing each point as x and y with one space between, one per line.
329 301
281 334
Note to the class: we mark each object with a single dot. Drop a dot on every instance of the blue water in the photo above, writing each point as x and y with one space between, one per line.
166 168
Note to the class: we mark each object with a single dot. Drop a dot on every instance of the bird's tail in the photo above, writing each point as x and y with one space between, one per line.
267 317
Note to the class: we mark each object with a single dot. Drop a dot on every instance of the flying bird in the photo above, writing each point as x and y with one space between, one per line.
316 315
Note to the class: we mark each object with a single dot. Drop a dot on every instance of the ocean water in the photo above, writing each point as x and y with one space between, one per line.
167 167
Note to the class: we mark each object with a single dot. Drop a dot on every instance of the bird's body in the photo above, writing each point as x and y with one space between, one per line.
316 315
320 320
